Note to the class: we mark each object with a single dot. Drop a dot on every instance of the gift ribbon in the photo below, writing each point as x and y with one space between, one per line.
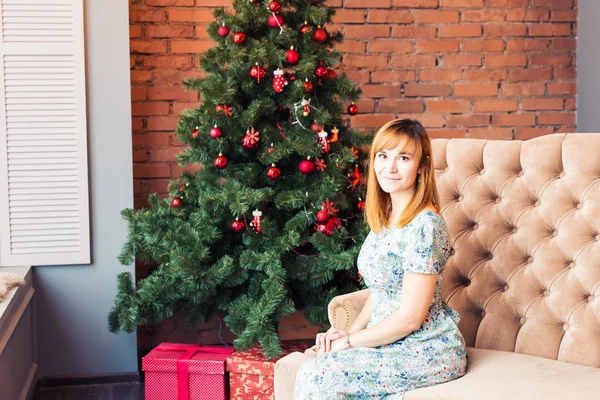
183 367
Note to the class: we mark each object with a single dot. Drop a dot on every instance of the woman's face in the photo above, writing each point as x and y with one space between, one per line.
396 169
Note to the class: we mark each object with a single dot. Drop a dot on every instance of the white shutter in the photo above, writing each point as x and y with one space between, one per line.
44 211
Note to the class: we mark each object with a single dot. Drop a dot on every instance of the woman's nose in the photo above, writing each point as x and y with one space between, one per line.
391 166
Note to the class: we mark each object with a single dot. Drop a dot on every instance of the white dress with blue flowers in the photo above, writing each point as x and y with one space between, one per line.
433 354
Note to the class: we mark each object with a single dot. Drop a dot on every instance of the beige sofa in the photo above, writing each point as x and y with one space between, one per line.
524 219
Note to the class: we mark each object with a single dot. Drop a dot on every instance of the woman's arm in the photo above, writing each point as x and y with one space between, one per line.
363 318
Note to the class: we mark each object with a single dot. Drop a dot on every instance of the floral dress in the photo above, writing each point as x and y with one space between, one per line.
433 354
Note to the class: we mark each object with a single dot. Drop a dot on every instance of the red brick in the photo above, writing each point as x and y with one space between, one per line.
505 60
565 73
523 89
476 90
153 108
461 3
495 105
485 15
389 17
413 32
426 90
390 46
358 76
428 120
506 3
486 75
381 91
440 75
171 93
482 46
524 15
148 46
365 61
459 60
151 171
138 93
468 120
542 104
169 2
135 31
137 124
559 45
401 106
463 30
448 106
191 15
393 76
171 77
141 76
556 118
370 120
552 4
410 62
191 46
180 62
527 45
564 15
571 103
178 107
415 3
550 30
140 155
146 140
562 88
140 15
530 133
513 119
373 31
436 46
562 60
351 46
447 133
504 30
436 17
349 17
368 3
530 75
491 133
201 32
162 123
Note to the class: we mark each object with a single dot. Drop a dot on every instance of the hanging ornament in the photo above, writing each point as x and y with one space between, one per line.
256 214
279 81
316 127
176 202
329 206
273 172
354 177
275 20
224 108
237 225
292 56
331 74
307 167
290 77
306 108
215 132
332 224
308 86
324 141
322 216
319 35
271 148
360 205
274 6
220 162
223 30
219 107
321 71
239 38
304 28
257 72
195 132
255 2
354 152
320 164
352 109
251 139
334 135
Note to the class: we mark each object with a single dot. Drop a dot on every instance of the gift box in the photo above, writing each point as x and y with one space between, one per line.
175 371
251 373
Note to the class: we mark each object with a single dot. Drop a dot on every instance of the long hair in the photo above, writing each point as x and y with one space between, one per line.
378 204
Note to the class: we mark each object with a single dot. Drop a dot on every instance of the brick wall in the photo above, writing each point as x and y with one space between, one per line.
502 69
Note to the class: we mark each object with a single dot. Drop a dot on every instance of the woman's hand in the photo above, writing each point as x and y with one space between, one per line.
338 345
324 340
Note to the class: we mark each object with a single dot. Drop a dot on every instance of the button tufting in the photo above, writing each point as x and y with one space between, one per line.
597 237
505 288
521 173
555 233
468 283
498 200
482 313
565 327
562 174
546 293
529 260
482 172
460 198
579 206
475 227
452 252
590 298
522 321
490 256
572 265
514 229
537 203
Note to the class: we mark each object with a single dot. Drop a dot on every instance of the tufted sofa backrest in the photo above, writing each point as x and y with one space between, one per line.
524 219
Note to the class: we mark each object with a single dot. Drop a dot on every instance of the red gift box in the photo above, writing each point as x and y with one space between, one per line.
251 373
176 371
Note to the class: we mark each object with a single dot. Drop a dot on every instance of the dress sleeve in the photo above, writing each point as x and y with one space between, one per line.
429 250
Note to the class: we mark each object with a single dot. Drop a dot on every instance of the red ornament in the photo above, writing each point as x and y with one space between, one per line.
195 132
215 132
220 162
175 202
331 74
274 6
256 214
324 141
304 28
271 148
316 127
322 216
319 35
320 164
307 167
360 205
251 139
334 135
329 206
223 30
239 37
292 56
279 81
352 109
219 107
354 177
331 225
257 72
290 77
275 21
237 225
306 107
321 71
308 87
273 172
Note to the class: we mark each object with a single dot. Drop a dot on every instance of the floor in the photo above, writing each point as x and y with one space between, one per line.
107 391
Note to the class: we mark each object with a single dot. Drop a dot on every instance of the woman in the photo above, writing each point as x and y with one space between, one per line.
405 337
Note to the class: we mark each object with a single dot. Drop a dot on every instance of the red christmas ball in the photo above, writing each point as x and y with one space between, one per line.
220 162
352 109
175 202
331 74
304 28
331 225
319 35
321 71
322 216
308 86
273 172
248 144
271 148
290 77
195 133
292 56
275 20
239 37
223 31
274 6
360 205
307 167
237 225
215 132
316 127
257 72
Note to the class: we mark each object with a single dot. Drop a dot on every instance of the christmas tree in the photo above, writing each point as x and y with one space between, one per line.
272 221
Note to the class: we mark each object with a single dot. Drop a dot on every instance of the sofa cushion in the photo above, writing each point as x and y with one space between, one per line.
501 375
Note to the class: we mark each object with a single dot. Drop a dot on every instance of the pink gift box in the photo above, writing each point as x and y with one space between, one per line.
176 371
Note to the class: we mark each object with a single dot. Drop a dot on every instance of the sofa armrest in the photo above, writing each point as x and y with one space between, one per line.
344 309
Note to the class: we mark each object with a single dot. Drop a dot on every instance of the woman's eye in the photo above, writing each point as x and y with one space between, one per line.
403 158
381 155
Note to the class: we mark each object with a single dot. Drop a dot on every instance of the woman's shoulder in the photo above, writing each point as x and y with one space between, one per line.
428 217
